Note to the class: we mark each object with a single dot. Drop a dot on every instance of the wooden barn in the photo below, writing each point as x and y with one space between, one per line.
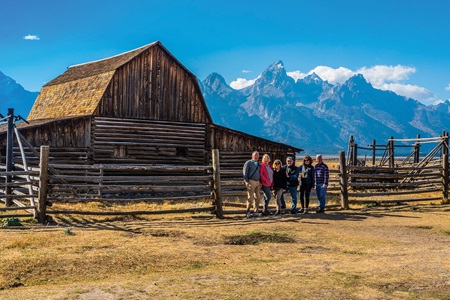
139 107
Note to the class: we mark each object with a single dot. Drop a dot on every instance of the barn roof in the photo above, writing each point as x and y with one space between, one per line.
78 91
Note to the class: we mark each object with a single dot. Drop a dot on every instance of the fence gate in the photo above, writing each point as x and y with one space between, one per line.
18 182
395 178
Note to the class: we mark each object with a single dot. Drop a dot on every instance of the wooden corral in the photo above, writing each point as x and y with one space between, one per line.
415 177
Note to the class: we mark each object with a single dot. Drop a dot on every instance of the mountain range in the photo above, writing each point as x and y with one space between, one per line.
309 113
13 95
317 116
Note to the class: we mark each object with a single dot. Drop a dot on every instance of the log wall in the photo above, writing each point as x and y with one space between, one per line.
147 142
71 132
228 140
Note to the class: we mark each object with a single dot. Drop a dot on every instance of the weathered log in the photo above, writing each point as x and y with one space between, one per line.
372 194
394 201
126 213
16 208
132 200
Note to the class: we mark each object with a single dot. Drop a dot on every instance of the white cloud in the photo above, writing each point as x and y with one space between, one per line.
409 90
339 75
31 37
246 71
381 74
447 88
297 75
333 76
241 83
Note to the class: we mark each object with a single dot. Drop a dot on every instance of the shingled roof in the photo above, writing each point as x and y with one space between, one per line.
95 68
78 91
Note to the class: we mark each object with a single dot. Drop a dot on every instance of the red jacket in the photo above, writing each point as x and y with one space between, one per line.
264 175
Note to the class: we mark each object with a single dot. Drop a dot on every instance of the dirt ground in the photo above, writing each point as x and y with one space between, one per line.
372 253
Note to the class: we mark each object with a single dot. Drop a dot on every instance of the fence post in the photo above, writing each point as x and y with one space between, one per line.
417 150
445 143
217 186
391 152
374 151
343 171
9 155
445 179
355 155
43 184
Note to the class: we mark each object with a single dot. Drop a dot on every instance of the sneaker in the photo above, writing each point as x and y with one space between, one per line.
248 215
320 211
293 211
264 213
277 213
305 211
255 215
267 212
301 210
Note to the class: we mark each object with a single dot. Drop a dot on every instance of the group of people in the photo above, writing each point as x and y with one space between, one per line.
278 179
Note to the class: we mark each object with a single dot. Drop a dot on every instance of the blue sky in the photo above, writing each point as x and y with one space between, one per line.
399 45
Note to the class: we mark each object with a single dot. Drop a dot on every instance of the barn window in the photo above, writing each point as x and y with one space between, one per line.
182 152
120 151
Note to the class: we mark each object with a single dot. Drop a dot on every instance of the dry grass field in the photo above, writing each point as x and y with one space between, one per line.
368 253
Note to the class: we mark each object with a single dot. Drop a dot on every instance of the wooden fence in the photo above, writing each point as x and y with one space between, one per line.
70 183
33 189
393 184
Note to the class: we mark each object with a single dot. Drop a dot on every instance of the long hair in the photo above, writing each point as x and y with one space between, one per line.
307 157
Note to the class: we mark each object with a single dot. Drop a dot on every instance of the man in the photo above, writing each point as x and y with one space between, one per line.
251 180
292 182
321 177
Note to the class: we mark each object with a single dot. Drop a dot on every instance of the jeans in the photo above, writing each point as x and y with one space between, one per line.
293 191
321 195
267 195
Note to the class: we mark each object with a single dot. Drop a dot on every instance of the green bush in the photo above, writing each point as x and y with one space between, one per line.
13 221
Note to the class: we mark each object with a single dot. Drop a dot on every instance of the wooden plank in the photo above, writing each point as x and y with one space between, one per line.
373 194
393 201
16 215
126 213
133 200
16 208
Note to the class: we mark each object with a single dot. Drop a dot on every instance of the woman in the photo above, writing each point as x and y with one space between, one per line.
306 176
279 183
266 178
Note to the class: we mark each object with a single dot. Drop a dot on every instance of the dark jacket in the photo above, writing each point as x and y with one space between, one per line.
292 174
306 174
279 179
